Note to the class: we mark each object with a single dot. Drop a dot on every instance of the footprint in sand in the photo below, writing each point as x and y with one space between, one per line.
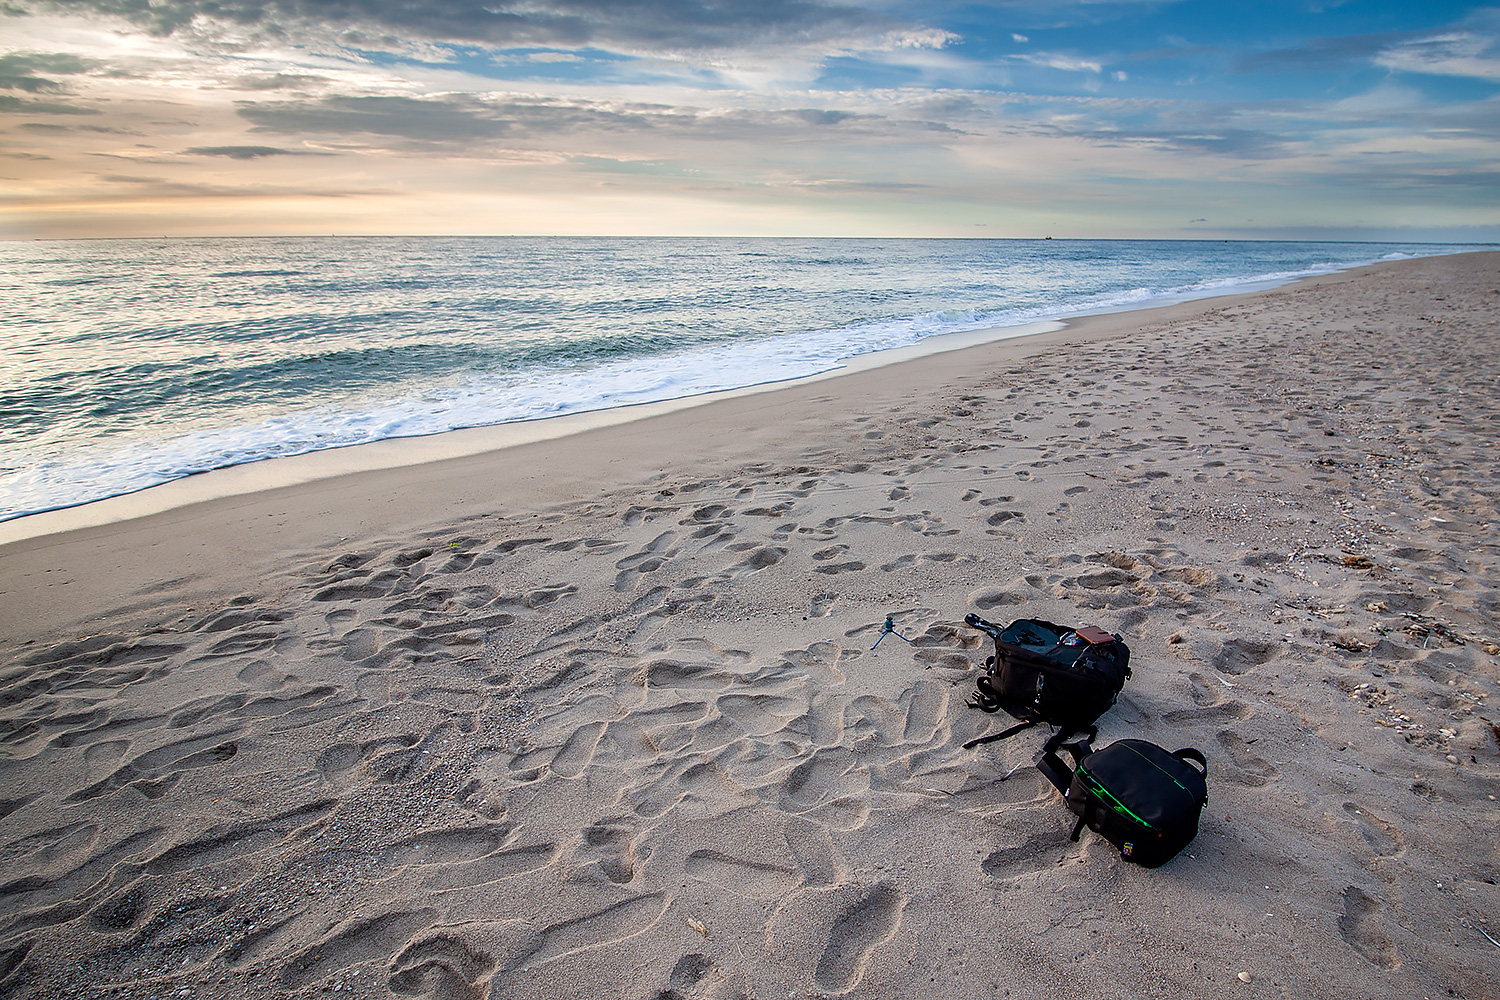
1203 692
812 846
864 926
443 847
1001 599
610 925
609 845
1248 769
831 773
822 604
47 848
759 880
758 558
442 965
34 901
712 514
400 767
819 663
1238 656
231 843
1038 852
687 976
1383 837
1360 927
925 711
155 772
335 762
824 721
648 560
578 751
760 714
467 875
121 911
1213 707
370 939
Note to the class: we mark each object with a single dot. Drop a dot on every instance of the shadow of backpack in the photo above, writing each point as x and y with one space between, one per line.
1043 672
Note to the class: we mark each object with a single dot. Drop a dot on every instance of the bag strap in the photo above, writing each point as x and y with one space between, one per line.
994 737
986 698
1083 819
1188 754
1052 766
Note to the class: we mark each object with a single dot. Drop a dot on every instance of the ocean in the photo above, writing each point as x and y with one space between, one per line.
129 363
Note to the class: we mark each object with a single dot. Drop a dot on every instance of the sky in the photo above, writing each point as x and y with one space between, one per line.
1277 119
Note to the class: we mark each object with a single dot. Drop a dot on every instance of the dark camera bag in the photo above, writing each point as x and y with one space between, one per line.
1043 672
1143 799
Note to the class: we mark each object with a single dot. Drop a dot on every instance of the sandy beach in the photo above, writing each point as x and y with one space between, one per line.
600 716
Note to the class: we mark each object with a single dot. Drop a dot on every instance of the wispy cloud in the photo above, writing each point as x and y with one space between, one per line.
16 105
280 81
1461 54
1062 61
1317 54
249 152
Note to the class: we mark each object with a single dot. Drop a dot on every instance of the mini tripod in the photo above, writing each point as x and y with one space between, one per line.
890 629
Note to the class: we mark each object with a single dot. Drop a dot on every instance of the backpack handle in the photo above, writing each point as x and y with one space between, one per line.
987 627
1052 766
1187 755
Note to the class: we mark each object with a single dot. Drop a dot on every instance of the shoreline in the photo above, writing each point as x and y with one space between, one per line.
389 453
381 495
397 452
613 708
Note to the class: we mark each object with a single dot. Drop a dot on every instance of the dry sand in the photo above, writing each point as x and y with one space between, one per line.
600 717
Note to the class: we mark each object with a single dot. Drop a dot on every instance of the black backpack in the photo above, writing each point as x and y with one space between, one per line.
1143 799
1043 672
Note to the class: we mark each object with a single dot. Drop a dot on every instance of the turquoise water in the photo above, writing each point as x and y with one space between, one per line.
129 363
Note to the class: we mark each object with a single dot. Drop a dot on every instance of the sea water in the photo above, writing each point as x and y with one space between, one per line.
128 363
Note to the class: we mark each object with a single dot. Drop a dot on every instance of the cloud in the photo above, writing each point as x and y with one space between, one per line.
467 124
440 120
20 70
852 186
126 188
1175 127
15 105
633 25
1060 61
822 117
1467 50
1459 53
279 81
249 152
1317 55
915 38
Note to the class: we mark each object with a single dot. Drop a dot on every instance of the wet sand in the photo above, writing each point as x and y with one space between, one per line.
600 715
